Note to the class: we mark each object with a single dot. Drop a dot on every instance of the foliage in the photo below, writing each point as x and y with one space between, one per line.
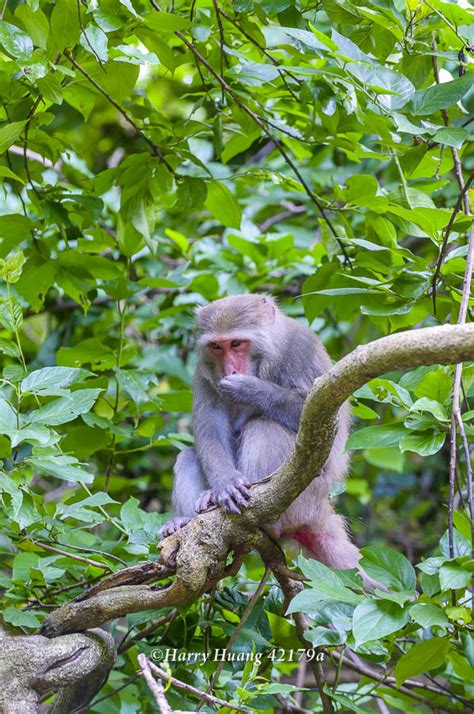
157 157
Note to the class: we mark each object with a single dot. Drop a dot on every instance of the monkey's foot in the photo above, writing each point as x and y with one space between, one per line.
175 524
206 500
235 497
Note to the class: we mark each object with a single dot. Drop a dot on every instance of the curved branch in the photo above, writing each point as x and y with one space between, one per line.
199 550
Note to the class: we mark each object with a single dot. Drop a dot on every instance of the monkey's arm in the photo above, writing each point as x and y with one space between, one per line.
274 402
213 438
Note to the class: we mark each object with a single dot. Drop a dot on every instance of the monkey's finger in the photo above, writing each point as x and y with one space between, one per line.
244 488
242 499
230 506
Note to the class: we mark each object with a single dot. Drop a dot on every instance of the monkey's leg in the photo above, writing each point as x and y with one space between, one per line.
188 487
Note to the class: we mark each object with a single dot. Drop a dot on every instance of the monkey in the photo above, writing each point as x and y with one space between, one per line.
255 368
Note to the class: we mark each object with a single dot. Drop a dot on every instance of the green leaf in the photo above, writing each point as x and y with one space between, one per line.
165 22
35 23
66 468
65 26
453 576
374 619
440 96
65 409
94 40
424 444
9 133
428 614
21 618
49 380
451 136
222 204
376 437
5 172
7 416
432 406
388 567
422 657
14 40
10 269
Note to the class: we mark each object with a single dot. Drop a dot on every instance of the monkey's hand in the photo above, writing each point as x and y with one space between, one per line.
233 496
244 389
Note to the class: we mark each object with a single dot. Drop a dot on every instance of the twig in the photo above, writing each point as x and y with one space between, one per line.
155 149
456 417
217 10
155 686
447 233
444 114
193 691
86 37
128 642
4 7
278 144
95 551
281 69
115 691
292 210
93 563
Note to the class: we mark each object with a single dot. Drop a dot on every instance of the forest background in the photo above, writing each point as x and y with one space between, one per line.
156 157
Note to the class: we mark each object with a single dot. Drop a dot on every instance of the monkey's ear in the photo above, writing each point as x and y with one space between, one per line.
268 309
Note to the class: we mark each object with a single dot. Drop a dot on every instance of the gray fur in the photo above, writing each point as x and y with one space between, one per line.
245 424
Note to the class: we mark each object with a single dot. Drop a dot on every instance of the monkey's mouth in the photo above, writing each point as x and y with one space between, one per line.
67 660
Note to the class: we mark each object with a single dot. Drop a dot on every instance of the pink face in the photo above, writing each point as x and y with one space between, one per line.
232 356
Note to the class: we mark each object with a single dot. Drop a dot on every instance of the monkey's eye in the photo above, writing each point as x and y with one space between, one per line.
236 343
215 346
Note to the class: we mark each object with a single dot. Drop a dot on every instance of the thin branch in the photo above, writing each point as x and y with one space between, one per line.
292 210
86 36
217 10
155 686
150 629
88 561
193 691
456 416
155 149
444 114
447 233
281 69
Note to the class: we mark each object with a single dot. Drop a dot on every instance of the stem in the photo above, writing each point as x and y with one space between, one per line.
15 329
113 452
402 180
155 149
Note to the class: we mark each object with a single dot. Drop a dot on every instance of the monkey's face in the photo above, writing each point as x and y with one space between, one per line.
231 356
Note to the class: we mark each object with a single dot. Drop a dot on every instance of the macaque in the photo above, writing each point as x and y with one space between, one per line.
255 368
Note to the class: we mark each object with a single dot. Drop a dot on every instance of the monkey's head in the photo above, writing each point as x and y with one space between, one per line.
235 334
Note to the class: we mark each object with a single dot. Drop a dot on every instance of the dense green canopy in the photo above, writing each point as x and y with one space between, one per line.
156 156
